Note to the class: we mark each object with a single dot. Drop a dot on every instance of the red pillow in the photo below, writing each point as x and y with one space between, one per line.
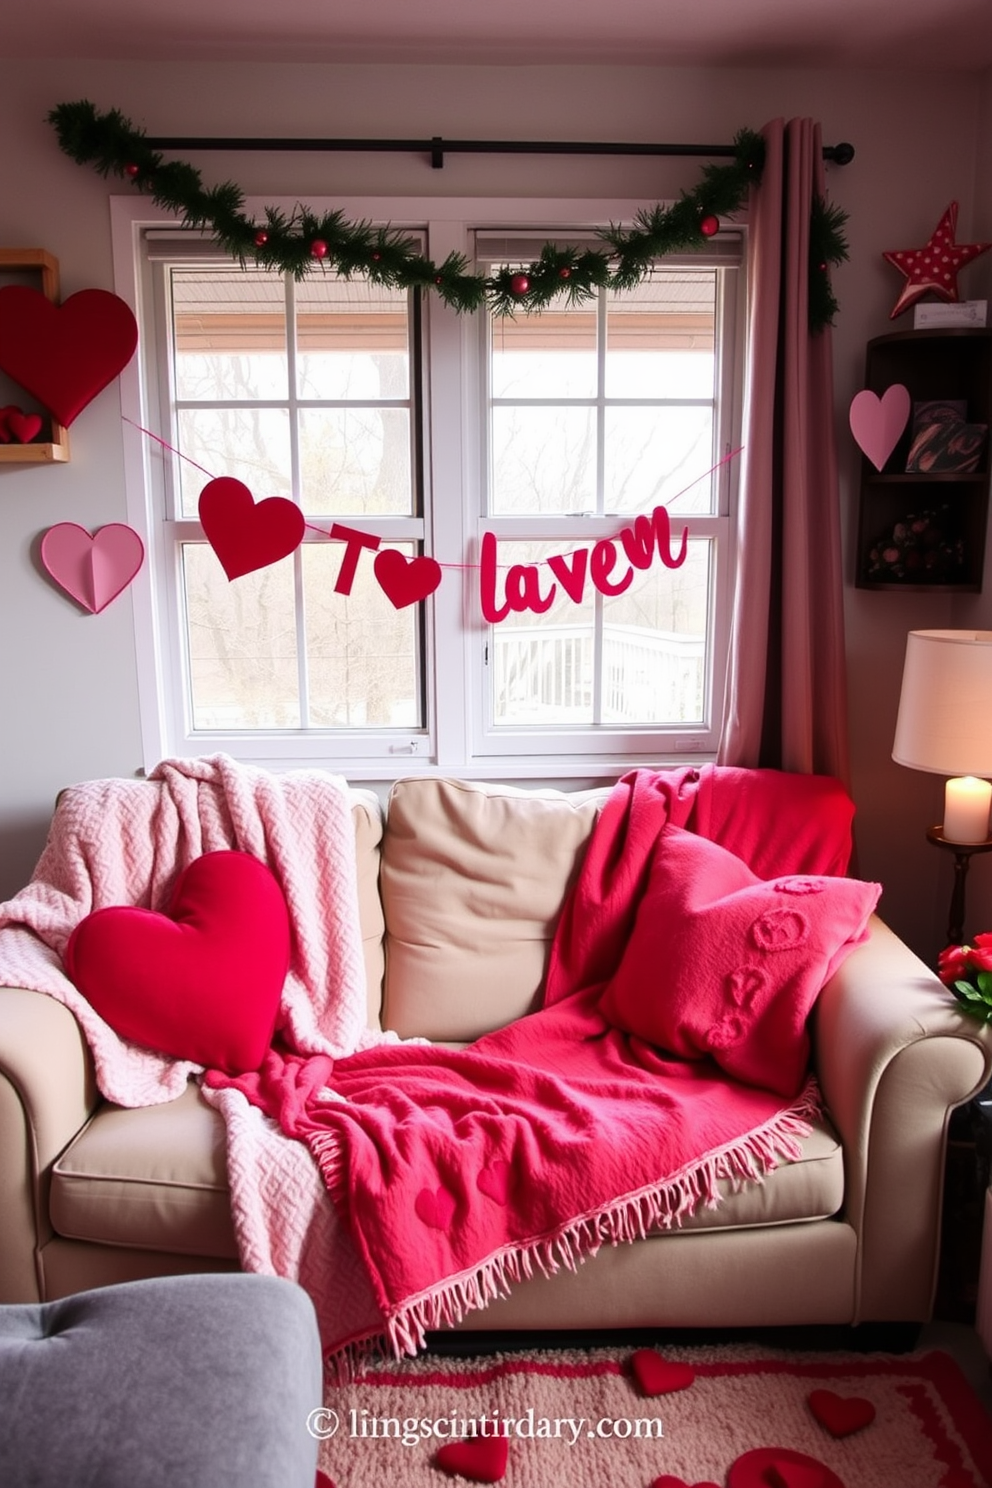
725 965
201 983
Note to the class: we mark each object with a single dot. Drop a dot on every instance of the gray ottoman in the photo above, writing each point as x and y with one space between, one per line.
177 1382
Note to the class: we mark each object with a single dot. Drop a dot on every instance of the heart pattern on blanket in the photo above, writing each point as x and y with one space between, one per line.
482 1459
405 581
202 982
841 1415
64 355
244 533
495 1181
658 1376
434 1207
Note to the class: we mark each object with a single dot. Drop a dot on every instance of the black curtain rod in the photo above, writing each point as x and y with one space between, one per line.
437 147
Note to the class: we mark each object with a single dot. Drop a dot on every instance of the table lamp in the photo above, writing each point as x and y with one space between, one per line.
945 726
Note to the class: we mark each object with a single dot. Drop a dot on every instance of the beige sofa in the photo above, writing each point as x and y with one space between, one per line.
460 887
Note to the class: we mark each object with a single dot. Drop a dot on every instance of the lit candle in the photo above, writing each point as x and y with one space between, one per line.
966 809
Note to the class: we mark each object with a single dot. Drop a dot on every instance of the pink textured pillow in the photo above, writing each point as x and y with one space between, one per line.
202 982
726 965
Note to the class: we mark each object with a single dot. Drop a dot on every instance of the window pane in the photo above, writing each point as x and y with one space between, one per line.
547 355
362 652
544 460
242 644
230 334
355 460
648 665
250 444
660 337
657 455
352 339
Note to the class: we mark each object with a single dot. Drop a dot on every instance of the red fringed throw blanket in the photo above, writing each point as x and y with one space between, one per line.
459 1172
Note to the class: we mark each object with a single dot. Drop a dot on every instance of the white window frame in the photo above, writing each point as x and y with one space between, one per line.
457 737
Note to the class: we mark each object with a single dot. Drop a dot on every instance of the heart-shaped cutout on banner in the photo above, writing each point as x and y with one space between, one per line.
202 982
658 1376
244 533
839 1414
878 422
405 581
779 1467
93 568
64 355
482 1459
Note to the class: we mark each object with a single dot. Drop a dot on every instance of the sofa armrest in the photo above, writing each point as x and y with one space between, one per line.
894 1055
47 1093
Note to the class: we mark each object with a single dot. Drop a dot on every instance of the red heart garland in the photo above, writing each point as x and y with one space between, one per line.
246 534
841 1415
482 1459
404 580
23 426
658 1376
64 355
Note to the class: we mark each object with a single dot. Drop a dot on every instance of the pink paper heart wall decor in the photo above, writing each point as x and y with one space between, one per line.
877 422
92 567
64 355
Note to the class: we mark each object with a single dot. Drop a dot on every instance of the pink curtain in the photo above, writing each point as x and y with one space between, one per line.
786 690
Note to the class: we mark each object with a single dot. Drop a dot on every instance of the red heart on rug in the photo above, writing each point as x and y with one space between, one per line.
246 534
778 1467
65 354
658 1376
496 1181
202 982
404 580
95 568
434 1207
323 1481
841 1415
483 1459
23 426
667 1481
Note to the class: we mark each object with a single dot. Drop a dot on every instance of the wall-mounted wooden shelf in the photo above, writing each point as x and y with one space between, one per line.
36 267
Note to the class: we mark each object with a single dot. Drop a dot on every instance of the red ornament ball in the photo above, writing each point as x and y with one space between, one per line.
565 272
710 226
132 170
261 238
520 284
318 248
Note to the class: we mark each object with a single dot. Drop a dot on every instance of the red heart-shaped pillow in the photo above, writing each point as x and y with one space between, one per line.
65 354
202 982
481 1459
658 1376
841 1415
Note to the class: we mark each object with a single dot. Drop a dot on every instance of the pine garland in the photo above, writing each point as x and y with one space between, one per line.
302 241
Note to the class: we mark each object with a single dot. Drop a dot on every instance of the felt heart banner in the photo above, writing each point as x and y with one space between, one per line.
877 423
93 568
405 581
246 534
64 355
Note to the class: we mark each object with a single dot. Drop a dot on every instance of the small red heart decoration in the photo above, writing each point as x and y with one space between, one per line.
246 534
64 355
658 1376
841 1415
404 580
496 1181
434 1207
483 1459
200 983
778 1467
93 569
23 426
668 1481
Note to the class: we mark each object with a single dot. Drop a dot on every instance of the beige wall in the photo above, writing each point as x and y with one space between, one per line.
67 681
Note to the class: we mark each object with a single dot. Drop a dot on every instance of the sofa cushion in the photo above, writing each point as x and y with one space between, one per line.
156 1179
473 880
367 814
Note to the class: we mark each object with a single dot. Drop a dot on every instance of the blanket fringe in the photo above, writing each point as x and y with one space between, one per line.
662 1206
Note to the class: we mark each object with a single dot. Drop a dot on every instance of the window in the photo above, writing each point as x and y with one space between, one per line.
571 471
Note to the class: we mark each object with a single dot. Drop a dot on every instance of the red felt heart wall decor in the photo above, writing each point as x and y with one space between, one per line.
64 355
246 534
200 983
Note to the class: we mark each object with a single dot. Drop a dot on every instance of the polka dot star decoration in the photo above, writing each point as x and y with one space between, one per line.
933 269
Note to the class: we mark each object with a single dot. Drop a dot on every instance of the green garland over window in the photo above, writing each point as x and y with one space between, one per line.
302 241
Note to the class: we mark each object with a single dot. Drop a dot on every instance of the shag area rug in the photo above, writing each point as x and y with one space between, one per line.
692 1417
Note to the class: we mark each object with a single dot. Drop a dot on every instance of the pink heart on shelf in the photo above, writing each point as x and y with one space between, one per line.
877 422
434 1207
404 580
23 426
93 568
658 1376
481 1459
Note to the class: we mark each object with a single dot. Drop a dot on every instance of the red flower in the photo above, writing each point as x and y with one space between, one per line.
953 963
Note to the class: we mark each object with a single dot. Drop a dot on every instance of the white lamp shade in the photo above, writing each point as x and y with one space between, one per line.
945 708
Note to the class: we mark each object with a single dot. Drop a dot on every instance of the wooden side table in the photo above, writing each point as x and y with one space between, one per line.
963 853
